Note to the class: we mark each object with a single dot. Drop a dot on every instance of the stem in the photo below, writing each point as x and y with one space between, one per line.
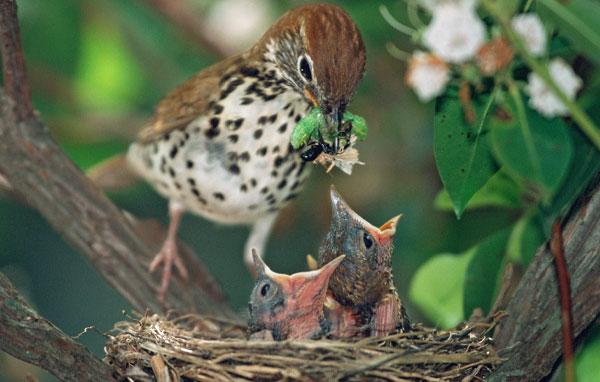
413 14
558 251
395 23
584 122
396 52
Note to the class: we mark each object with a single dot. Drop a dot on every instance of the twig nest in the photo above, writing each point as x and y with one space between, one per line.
195 348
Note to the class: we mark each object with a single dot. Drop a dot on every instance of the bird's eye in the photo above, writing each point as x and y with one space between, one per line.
265 289
304 68
368 240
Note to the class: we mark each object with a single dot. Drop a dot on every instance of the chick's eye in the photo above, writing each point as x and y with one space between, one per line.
368 240
265 289
304 67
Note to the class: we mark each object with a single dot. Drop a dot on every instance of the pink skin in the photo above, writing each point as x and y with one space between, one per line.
385 315
168 255
344 320
303 295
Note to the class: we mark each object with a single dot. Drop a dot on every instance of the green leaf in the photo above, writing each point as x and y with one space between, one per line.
577 20
585 165
500 191
462 152
525 239
482 273
586 361
109 76
437 288
532 147
359 125
305 128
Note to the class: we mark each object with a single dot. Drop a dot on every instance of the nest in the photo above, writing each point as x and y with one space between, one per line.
194 348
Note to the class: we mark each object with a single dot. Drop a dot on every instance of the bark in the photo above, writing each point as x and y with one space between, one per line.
26 335
39 171
531 334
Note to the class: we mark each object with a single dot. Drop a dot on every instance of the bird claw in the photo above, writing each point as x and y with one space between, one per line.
168 257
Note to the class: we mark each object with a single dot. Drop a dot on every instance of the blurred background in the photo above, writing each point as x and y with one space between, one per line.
98 67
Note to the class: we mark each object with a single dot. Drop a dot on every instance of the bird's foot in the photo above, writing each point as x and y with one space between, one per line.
168 257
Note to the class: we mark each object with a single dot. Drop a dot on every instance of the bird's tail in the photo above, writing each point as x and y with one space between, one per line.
113 174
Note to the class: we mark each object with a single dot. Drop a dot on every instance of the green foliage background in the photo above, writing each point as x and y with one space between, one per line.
98 67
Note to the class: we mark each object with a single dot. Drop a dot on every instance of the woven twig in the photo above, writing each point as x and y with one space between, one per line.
201 349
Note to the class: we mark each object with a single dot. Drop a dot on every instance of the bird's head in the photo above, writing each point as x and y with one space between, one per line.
278 298
368 251
320 52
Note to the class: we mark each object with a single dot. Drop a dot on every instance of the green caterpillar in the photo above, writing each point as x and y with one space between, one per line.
312 127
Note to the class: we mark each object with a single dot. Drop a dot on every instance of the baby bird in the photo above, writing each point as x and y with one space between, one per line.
362 286
290 306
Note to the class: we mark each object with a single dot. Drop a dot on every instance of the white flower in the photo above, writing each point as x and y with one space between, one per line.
428 75
455 33
235 25
529 27
543 99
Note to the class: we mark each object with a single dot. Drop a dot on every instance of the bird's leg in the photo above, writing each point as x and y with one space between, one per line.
259 234
168 255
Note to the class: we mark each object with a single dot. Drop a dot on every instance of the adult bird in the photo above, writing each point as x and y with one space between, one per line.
219 144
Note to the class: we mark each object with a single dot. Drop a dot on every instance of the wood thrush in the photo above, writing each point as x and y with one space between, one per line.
219 144
363 285
290 306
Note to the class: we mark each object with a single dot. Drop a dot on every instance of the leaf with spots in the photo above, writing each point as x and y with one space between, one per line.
462 150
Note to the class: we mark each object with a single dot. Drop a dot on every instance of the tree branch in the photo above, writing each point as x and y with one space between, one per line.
532 330
13 61
31 338
38 170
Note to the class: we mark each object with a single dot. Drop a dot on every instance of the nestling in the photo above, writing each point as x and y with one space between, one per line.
290 306
219 144
363 284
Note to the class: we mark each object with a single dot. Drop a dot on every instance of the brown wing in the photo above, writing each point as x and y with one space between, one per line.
188 101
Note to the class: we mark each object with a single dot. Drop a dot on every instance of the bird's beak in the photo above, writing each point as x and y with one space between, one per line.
310 95
388 230
260 268
333 119
341 212
311 287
